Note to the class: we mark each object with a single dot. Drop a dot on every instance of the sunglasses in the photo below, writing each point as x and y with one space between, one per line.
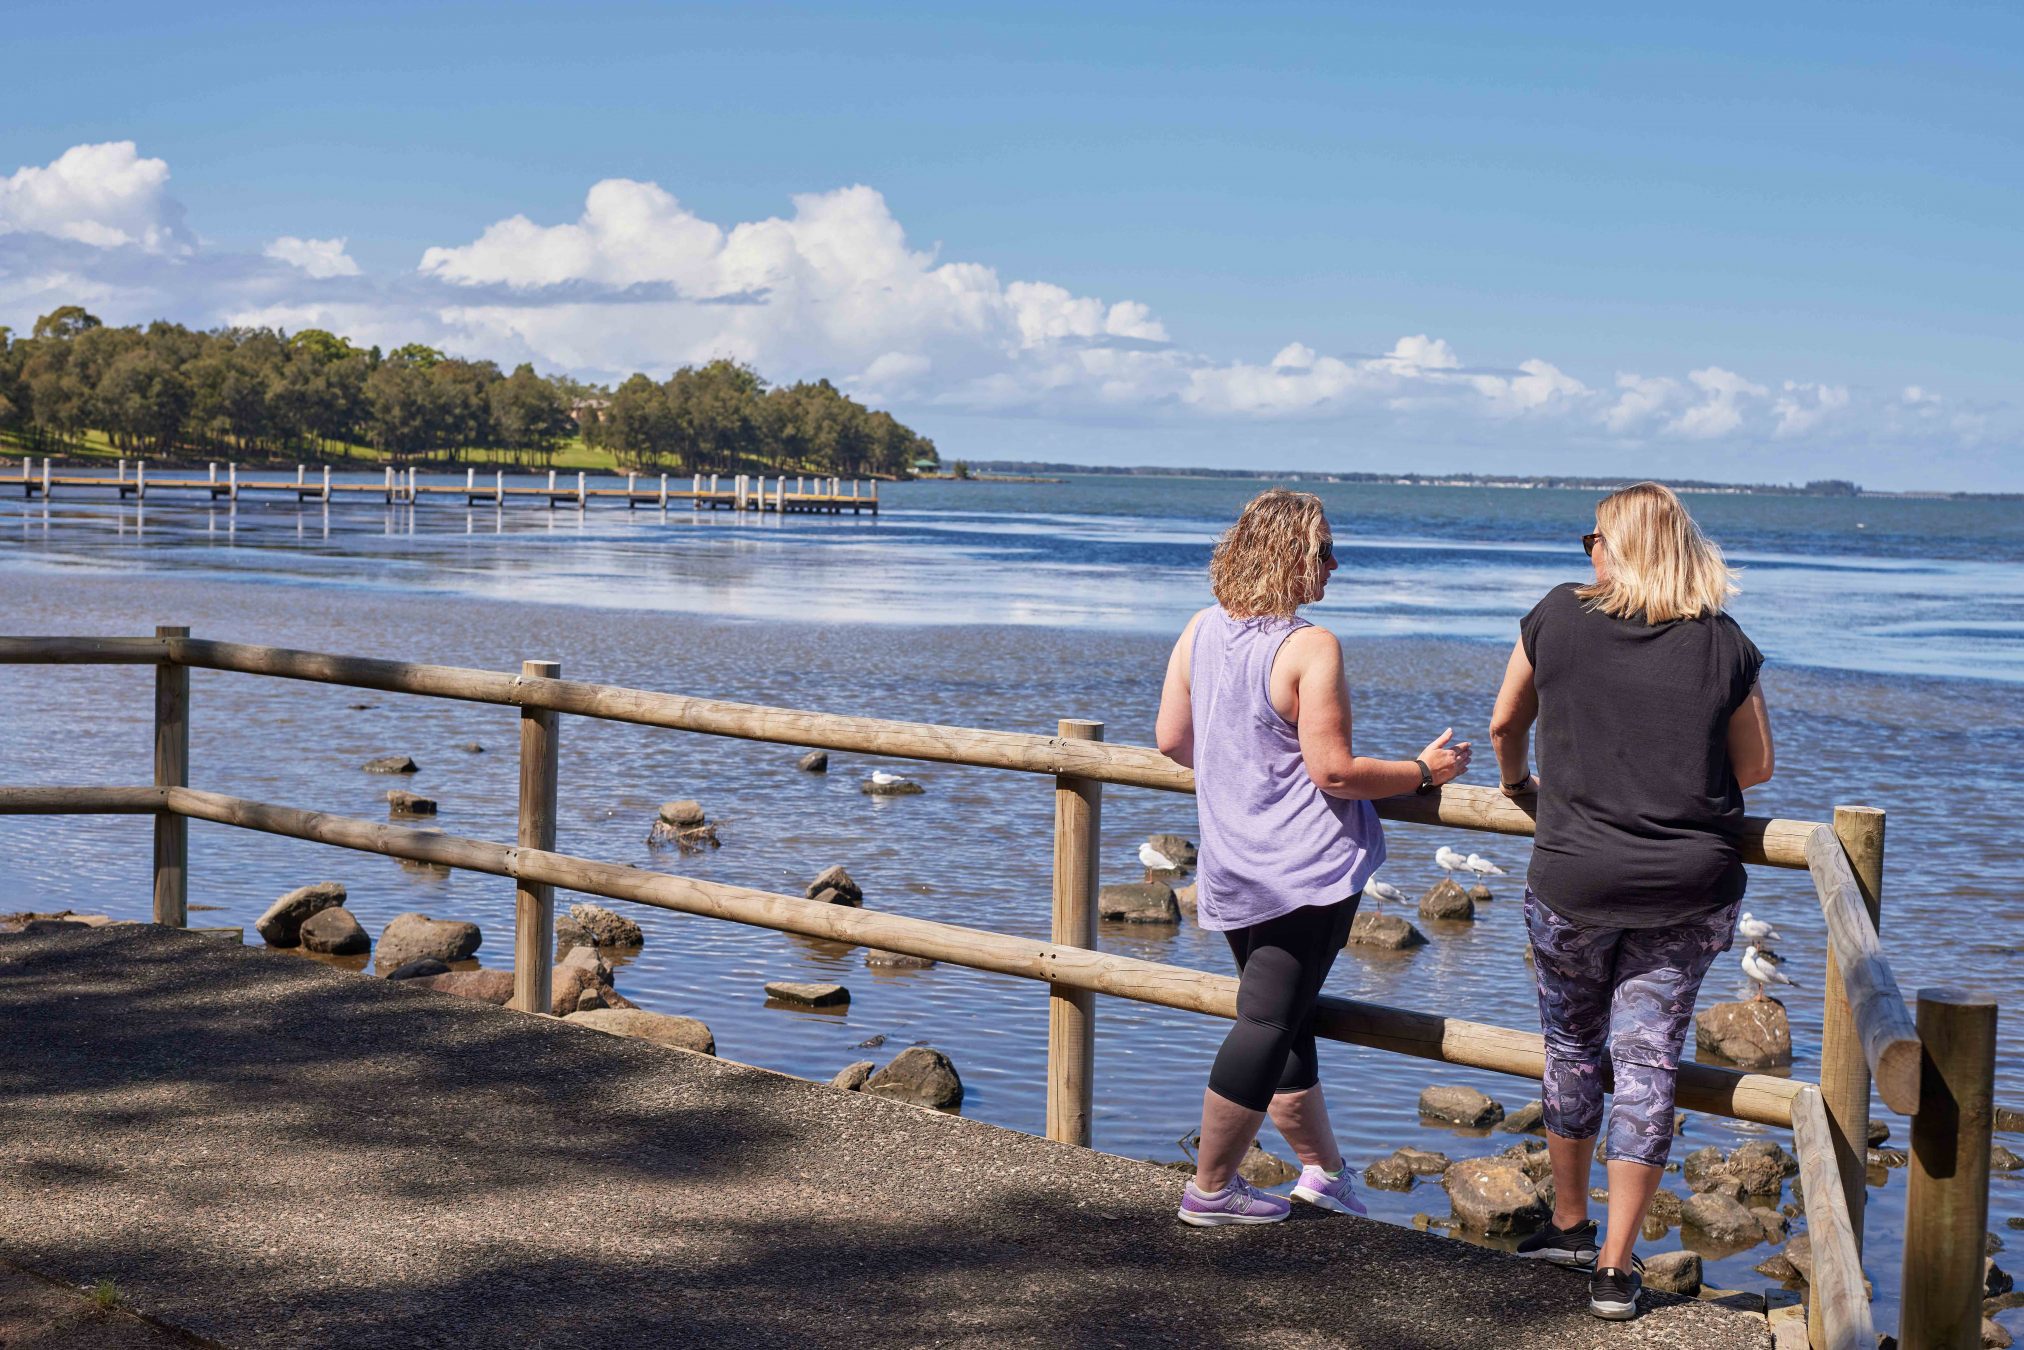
1328 554
1588 543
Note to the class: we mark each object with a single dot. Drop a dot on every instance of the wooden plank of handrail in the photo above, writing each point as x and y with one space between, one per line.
1836 1291
81 801
1890 1038
1424 1035
83 651
1778 843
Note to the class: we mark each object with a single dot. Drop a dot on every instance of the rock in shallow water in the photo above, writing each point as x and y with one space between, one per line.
1494 1196
390 764
1387 932
851 1077
1389 1173
1138 902
1527 1119
1752 1034
1463 1106
490 986
683 1033
588 925
409 937
1674 1272
879 959
815 761
281 925
1447 901
1263 1169
921 1075
833 886
807 995
1721 1220
401 802
1177 849
335 932
419 969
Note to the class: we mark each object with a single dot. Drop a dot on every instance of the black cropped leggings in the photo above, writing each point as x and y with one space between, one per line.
1280 966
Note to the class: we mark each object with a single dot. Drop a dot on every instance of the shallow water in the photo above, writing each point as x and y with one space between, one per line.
970 605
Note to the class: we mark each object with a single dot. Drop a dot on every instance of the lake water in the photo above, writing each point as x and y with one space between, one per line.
1895 631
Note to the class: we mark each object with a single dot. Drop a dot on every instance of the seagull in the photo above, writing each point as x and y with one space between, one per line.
1482 866
1381 891
1156 860
883 779
1764 968
1450 861
1756 929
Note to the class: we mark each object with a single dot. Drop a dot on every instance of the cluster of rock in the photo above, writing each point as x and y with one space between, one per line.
920 1075
589 925
314 918
684 825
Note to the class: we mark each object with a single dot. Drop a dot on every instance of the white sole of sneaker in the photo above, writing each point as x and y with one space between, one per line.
1567 1260
1194 1220
1613 1312
1327 1202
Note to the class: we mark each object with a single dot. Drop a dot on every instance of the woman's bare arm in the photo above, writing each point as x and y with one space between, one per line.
1323 718
1174 728
1511 723
1750 751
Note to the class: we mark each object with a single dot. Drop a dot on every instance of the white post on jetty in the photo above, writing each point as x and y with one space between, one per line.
664 492
579 490
780 496
551 480
140 480
390 482
214 473
498 487
45 478
122 473
300 478
413 475
632 482
232 481
326 482
470 481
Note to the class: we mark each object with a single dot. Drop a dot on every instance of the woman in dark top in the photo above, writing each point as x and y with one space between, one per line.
1650 725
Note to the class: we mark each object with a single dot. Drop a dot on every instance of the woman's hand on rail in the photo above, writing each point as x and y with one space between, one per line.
1445 761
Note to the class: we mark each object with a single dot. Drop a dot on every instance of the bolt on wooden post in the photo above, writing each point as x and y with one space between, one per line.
172 769
1844 1067
1071 1013
1947 1193
534 901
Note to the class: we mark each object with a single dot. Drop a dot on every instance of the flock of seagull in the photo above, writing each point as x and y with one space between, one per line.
1762 965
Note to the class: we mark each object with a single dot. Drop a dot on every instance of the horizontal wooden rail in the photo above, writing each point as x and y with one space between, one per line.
1837 1308
82 801
1448 1040
1890 1037
1776 843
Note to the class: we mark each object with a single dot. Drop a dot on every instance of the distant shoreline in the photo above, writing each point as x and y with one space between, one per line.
1028 470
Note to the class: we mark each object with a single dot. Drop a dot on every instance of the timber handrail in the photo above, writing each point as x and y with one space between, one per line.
1774 842
1841 1306
1890 1039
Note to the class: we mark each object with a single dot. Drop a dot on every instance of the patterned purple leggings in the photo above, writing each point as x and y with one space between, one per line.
1627 993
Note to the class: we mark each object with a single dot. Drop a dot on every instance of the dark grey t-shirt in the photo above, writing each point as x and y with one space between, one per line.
1639 811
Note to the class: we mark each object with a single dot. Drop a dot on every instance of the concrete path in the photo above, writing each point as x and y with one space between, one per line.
262 1151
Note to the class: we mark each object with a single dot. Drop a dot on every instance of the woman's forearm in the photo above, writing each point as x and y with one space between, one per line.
1513 745
1364 779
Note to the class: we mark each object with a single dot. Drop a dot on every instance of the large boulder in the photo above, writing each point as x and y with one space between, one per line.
834 887
683 1033
1387 932
409 937
1494 1196
1178 850
1463 1106
334 932
1721 1221
921 1075
1752 1034
490 986
1138 902
588 925
1674 1273
281 925
1447 901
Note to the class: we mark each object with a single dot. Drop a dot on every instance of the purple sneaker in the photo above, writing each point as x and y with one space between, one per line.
1239 1202
1338 1192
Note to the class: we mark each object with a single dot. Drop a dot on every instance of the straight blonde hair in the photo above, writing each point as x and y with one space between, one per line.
1270 560
1660 566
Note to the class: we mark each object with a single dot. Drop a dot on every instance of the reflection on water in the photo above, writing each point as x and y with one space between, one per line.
1076 629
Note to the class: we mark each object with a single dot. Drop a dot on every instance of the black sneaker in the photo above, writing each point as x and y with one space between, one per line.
1574 1246
1613 1293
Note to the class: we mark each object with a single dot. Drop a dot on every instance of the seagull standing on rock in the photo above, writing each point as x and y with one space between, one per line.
1382 891
1156 860
1757 930
1764 968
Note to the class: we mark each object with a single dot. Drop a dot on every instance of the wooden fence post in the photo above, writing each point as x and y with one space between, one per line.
1947 1195
1071 1013
534 901
1844 1068
172 769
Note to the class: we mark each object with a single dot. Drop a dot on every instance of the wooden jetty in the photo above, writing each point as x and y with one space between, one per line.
1939 1069
777 494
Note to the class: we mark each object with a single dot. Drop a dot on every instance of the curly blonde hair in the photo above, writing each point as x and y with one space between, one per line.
1660 567
1270 561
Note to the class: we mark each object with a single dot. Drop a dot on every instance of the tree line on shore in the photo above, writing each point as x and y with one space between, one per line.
256 393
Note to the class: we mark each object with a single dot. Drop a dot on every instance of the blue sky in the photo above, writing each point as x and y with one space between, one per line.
1736 242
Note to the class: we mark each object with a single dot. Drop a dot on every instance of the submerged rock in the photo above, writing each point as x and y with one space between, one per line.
880 959
281 925
401 802
1463 1106
1138 902
683 1033
1387 932
1751 1034
1722 1221
335 932
807 995
390 764
419 969
921 1075
1424 1162
409 937
815 761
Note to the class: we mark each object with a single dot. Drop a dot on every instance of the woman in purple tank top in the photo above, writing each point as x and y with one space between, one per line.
1256 703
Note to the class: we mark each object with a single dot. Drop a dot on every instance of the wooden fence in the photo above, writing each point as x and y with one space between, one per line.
1938 1069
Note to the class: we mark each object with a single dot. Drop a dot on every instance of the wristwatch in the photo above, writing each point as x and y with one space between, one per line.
1426 778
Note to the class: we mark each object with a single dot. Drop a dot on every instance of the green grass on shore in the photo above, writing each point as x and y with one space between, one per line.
570 455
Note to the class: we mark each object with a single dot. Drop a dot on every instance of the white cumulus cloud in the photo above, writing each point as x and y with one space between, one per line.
105 195
320 258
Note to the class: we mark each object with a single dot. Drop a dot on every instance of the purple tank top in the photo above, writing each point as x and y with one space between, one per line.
1272 842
